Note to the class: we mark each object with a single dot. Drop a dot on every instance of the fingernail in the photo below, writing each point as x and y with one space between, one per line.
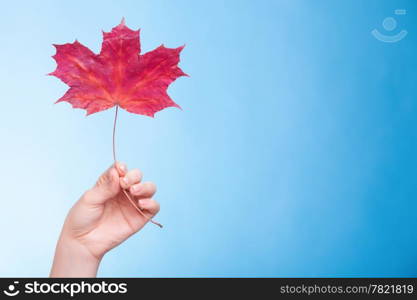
136 188
126 180
123 167
142 203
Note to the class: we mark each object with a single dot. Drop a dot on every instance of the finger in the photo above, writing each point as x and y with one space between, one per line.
121 168
143 190
132 177
106 187
149 206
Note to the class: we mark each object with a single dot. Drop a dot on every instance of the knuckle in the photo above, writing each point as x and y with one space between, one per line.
87 194
137 174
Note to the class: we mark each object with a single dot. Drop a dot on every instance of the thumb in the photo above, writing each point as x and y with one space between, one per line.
107 185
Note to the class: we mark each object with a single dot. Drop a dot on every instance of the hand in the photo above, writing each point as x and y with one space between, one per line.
102 219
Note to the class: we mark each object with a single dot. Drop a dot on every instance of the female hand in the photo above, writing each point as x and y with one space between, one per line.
102 219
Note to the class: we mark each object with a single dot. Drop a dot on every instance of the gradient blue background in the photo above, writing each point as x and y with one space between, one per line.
295 154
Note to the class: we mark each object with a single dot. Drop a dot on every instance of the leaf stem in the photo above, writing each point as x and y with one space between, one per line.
114 133
115 160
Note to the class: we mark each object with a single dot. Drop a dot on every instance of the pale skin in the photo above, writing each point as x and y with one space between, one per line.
102 219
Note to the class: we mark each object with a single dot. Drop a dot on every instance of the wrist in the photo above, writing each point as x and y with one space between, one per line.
72 259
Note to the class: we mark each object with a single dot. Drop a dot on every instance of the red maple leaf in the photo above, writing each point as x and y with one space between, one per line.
119 75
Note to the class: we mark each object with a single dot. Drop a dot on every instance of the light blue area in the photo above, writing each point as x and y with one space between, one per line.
294 155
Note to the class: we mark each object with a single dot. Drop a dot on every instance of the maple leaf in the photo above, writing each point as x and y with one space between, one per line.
119 75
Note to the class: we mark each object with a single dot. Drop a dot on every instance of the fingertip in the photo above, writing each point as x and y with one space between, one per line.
151 187
149 205
121 168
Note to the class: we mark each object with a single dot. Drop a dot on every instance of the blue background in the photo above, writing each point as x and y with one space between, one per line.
294 155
